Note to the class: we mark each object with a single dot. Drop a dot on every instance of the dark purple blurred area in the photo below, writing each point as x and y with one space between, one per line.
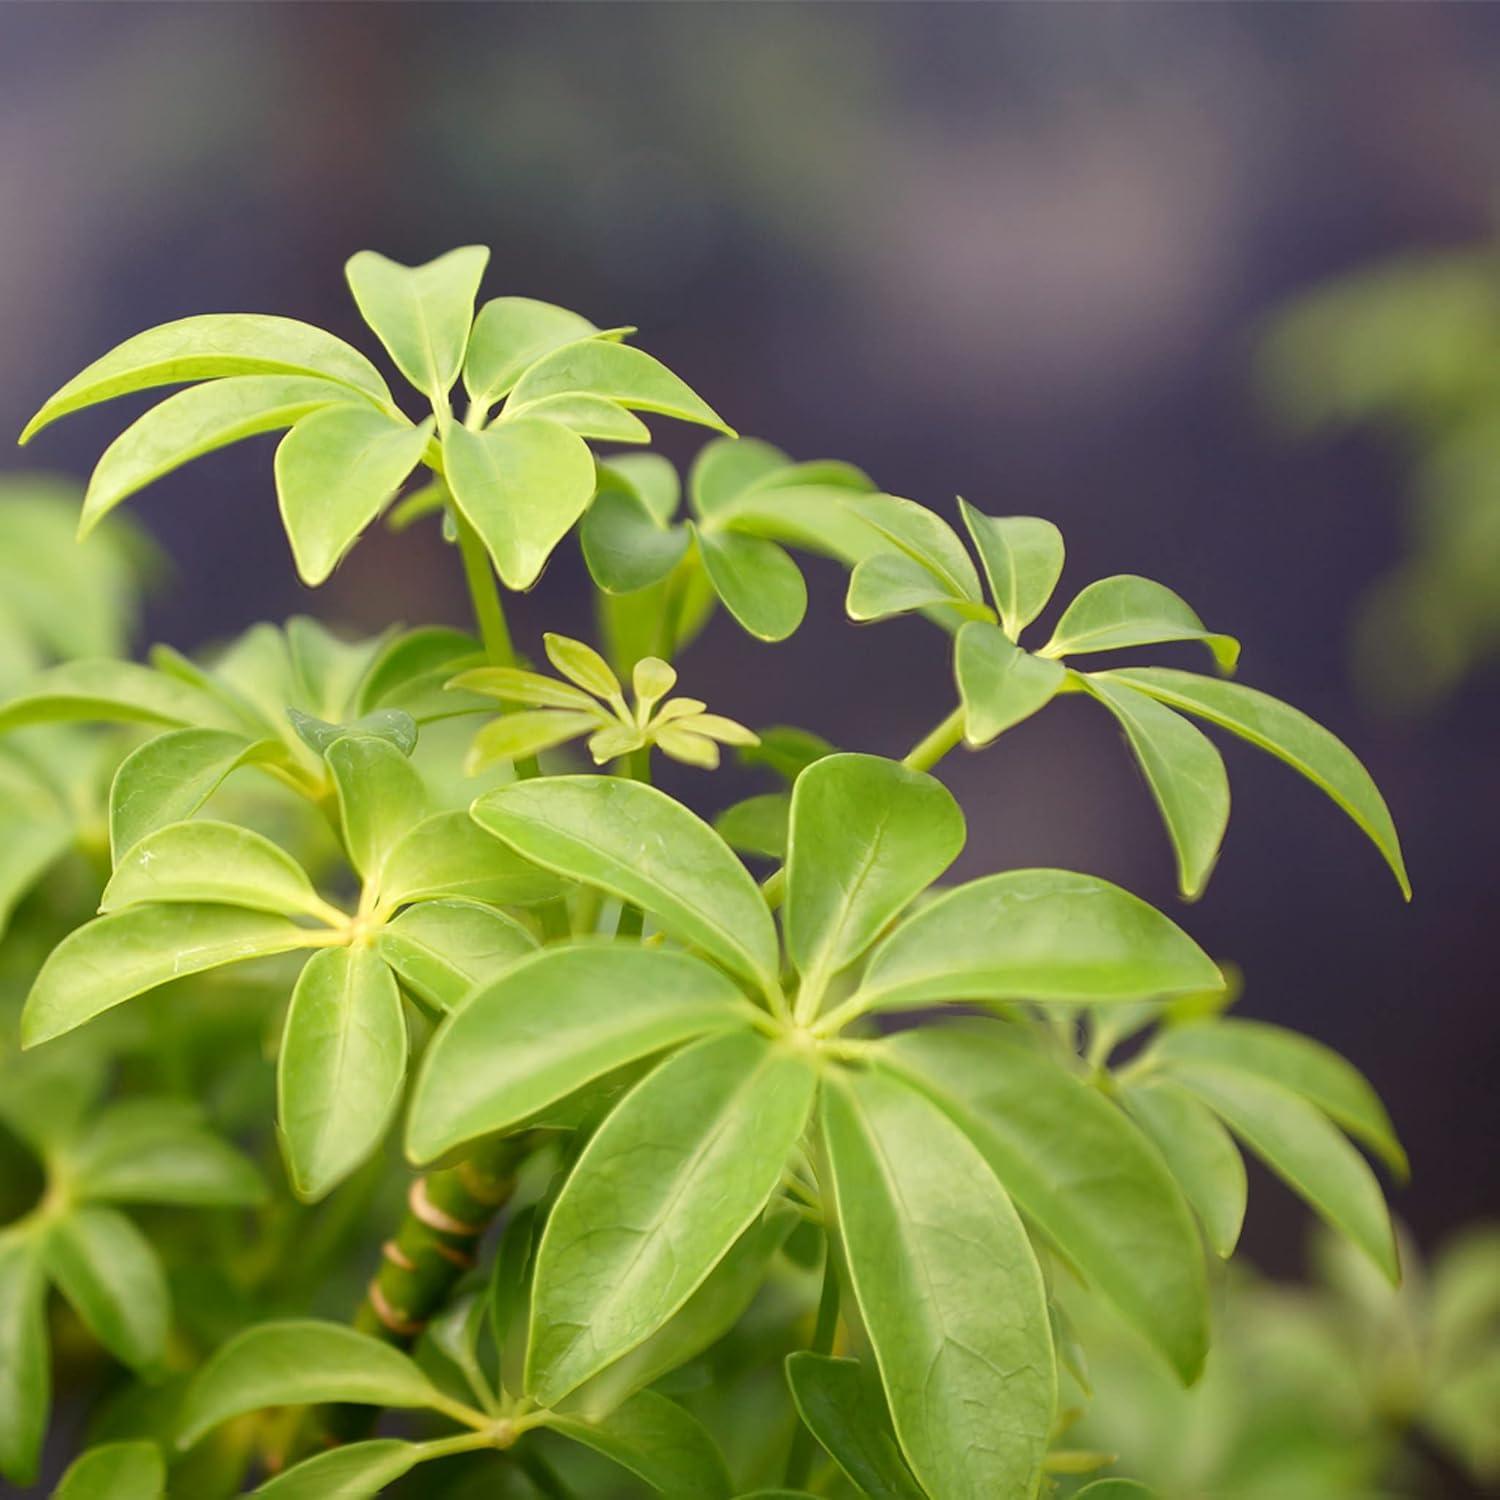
1018 253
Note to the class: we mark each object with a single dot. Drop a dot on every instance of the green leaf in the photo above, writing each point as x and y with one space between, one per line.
999 684
204 861
1022 558
639 845
342 1064
1035 935
441 950
38 830
866 837
116 957
521 486
845 1412
786 751
147 1151
581 664
658 1442
509 335
117 691
115 1471
512 685
1127 610
381 798
326 668
516 735
170 777
924 537
413 667
1286 733
107 1269
552 1023
1115 1489
336 470
651 478
25 1358
1299 1144
449 855
666 1185
947 1287
757 580
197 421
389 724
1185 773
726 468
1299 1063
617 371
421 313
625 546
1077 1167
207 347
705 1318
758 825
890 583
1202 1157
357 1471
299 1363
591 417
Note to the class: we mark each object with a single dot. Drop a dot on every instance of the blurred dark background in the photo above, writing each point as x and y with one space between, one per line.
1018 253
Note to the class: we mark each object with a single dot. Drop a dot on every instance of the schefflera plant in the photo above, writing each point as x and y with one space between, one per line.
710 1080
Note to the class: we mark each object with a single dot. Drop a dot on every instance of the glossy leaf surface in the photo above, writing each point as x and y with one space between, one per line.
664 1188
551 1024
638 844
357 1471
442 949
948 1289
757 581
659 1442
107 1269
509 335
1022 557
341 1067
381 798
1127 610
448 854
848 1418
999 684
115 1471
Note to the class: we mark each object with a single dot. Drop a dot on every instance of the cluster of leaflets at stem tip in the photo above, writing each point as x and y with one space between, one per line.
591 702
520 477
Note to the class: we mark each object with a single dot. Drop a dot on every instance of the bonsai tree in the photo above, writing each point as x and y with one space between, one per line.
715 1182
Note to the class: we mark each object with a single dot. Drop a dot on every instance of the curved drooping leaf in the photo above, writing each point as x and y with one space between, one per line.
509 335
701 1321
594 417
420 313
118 692
656 1440
171 776
1022 557
341 1067
866 837
925 538
38 830
126 953
203 348
1299 1063
1289 735
890 583
726 468
357 1471
1185 773
441 950
638 844
999 684
381 798
411 670
202 861
516 735
948 1289
521 485
1127 610
624 544
448 854
299 1363
617 371
326 668
552 1023
25 1357
151 1151
1299 1144
758 825
757 581
1078 1167
336 470
108 1271
115 1471
1202 1156
1035 935
843 1409
667 1184
197 421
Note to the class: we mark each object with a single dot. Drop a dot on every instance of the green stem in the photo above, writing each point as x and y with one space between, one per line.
799 1459
928 751
484 594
